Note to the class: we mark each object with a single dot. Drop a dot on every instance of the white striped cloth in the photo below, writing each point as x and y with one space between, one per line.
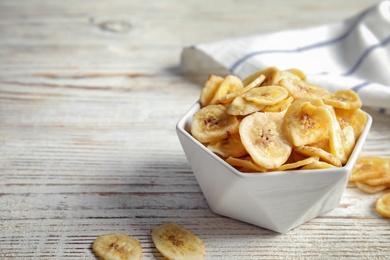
353 54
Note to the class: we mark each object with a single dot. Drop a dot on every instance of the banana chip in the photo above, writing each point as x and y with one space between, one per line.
299 73
337 140
212 123
345 99
229 147
303 89
255 83
371 174
210 88
306 122
369 188
351 117
267 95
261 136
175 242
117 246
369 167
271 75
296 165
245 164
242 107
382 205
317 165
229 84
318 152
280 106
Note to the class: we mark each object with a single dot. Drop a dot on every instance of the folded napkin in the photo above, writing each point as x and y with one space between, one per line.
353 54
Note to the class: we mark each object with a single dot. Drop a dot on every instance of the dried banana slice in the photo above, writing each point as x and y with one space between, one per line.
285 74
261 136
337 140
318 152
306 122
212 124
229 84
345 99
348 141
384 177
245 164
175 242
210 88
280 106
367 167
317 165
117 246
379 181
323 144
270 73
296 165
267 95
295 157
242 107
255 83
369 188
272 77
303 89
231 146
382 205
351 117
299 73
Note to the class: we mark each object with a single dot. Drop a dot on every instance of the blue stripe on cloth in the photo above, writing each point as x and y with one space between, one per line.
358 87
365 54
309 47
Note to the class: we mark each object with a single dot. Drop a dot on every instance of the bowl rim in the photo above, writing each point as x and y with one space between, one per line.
180 128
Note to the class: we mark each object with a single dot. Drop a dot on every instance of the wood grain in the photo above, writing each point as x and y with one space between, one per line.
90 92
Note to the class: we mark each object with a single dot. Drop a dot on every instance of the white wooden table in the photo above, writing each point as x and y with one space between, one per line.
90 92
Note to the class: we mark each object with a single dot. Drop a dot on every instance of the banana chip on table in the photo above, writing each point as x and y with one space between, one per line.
382 205
371 174
276 120
117 246
175 242
369 168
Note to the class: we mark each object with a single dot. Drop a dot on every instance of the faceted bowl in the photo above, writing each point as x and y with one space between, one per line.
278 201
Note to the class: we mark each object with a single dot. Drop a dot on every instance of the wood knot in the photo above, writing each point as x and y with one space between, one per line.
115 26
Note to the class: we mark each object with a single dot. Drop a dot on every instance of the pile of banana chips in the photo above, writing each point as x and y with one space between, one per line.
275 120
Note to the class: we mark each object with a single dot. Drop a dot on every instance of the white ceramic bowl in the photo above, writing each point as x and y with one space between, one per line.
279 201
